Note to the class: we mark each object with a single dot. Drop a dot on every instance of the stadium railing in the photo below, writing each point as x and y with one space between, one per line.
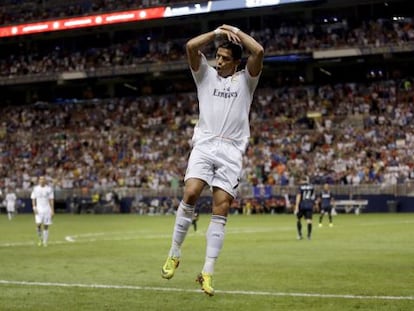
246 190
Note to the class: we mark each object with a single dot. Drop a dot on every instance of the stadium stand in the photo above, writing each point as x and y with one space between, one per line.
101 108
19 11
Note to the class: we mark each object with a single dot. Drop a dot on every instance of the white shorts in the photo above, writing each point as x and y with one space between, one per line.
11 208
218 162
44 218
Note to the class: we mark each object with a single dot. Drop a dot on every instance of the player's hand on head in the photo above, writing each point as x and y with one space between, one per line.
230 32
233 37
230 28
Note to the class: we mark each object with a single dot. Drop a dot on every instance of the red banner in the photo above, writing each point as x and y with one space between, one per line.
82 22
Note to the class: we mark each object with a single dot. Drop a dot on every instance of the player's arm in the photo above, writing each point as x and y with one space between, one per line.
256 51
318 202
195 44
298 197
52 206
34 206
193 47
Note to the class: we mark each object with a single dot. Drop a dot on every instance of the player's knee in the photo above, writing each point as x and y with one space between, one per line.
190 197
191 194
221 208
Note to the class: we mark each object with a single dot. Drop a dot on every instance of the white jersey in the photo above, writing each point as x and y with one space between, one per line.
10 199
42 195
224 104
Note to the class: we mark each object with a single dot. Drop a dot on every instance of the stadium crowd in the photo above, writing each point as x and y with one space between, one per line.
44 58
342 134
361 133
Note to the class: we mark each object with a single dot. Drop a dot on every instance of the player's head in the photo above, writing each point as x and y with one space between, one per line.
42 180
326 186
228 58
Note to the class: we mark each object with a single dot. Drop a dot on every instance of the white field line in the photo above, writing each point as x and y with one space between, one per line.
100 236
230 292
125 236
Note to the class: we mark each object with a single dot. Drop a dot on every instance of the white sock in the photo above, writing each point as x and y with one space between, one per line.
45 236
183 220
215 240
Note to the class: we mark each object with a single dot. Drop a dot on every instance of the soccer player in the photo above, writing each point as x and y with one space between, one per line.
305 201
10 200
219 141
43 208
326 200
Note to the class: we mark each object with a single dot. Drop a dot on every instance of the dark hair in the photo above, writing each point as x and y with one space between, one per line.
236 49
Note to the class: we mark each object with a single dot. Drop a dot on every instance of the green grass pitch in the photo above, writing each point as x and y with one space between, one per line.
113 262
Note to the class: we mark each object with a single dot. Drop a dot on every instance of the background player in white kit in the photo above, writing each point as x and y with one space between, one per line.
43 208
10 200
219 141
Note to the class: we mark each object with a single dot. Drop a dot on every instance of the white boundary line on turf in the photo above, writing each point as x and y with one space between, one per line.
100 236
115 236
229 292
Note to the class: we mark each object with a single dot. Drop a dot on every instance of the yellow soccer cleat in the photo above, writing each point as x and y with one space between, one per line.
331 225
206 282
168 270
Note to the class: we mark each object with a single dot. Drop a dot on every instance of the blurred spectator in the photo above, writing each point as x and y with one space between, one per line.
91 144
